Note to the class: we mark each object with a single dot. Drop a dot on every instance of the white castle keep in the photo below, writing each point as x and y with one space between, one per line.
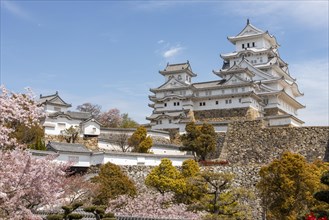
254 83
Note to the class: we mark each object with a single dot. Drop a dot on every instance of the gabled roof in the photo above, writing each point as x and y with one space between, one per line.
172 83
67 147
178 68
233 70
250 31
71 115
255 70
54 99
92 120
247 50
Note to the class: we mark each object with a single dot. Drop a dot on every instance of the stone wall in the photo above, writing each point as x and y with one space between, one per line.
235 114
90 142
250 142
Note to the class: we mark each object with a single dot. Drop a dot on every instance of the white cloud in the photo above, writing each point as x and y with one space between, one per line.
16 10
161 41
172 51
312 14
312 78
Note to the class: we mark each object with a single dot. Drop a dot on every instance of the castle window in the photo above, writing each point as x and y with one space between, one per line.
242 46
228 101
239 100
177 103
160 122
165 105
202 103
179 77
253 44
186 78
169 121
248 45
216 102
174 103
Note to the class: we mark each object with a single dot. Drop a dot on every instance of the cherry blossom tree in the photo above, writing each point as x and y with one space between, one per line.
28 183
151 205
16 109
111 118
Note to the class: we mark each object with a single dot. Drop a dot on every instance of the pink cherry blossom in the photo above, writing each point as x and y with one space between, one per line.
150 205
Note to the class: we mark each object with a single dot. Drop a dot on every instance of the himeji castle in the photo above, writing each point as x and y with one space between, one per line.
254 83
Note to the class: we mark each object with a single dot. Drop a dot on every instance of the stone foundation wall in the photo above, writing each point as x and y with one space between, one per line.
250 142
273 111
235 114
90 142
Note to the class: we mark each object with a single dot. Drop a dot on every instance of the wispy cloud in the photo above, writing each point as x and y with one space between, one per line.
154 5
169 51
311 14
312 77
16 10
172 51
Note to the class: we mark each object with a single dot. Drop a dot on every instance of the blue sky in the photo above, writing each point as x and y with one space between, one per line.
109 52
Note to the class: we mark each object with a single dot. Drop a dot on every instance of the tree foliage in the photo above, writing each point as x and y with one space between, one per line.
221 199
207 190
322 210
323 195
111 118
201 140
190 191
287 186
165 177
112 183
71 134
68 213
94 109
139 141
127 122
122 141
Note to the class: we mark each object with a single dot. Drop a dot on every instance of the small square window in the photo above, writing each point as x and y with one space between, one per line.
216 102
165 105
242 45
177 103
